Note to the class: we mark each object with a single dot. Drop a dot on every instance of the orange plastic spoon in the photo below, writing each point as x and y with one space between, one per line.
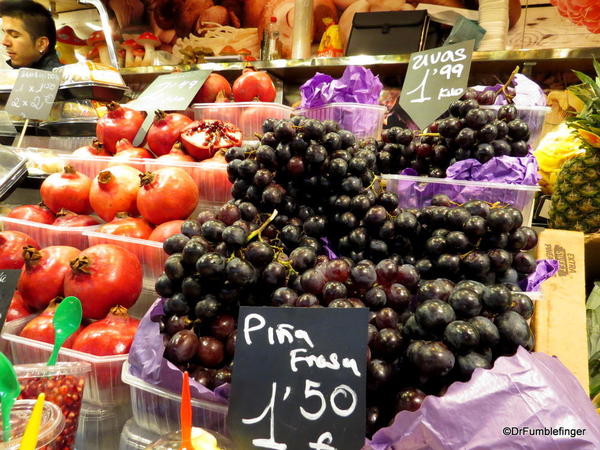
185 414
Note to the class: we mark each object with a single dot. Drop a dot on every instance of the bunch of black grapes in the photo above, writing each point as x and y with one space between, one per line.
448 331
308 187
469 132
474 241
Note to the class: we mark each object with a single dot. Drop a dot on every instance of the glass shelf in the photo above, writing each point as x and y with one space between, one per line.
297 70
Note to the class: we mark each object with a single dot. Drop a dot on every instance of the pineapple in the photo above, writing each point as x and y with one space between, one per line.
576 198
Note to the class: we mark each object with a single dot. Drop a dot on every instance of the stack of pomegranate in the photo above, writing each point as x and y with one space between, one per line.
107 279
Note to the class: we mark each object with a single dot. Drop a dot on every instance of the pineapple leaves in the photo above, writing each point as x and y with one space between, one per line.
589 82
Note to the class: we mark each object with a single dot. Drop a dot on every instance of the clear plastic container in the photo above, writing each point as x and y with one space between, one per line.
53 423
248 116
100 428
363 120
46 235
150 253
534 116
157 409
134 437
200 439
417 192
103 382
210 176
63 385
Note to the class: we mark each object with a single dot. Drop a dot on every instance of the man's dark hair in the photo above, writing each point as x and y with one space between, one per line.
36 19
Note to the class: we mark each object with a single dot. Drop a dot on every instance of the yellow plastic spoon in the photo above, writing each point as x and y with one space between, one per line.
32 431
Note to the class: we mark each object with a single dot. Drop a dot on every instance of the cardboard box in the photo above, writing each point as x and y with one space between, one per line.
559 321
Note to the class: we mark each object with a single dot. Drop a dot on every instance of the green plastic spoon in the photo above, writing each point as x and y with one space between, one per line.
9 391
66 321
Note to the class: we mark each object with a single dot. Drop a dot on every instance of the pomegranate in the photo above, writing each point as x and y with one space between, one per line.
44 273
69 190
165 230
214 85
165 131
11 248
66 218
33 213
214 184
125 147
118 123
176 155
94 149
17 309
41 328
202 138
254 85
123 225
167 194
112 335
103 276
115 190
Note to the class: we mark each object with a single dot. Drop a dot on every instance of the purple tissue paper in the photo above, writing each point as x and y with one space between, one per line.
356 85
147 363
532 390
501 169
544 269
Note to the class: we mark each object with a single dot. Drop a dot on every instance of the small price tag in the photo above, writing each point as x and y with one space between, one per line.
33 94
171 92
435 78
8 284
300 379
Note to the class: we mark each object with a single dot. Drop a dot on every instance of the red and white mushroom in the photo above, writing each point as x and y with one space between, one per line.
96 40
67 40
150 42
129 45
93 54
138 56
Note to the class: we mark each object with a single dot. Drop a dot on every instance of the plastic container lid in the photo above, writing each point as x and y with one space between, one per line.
520 107
53 423
172 441
450 181
135 437
12 168
61 368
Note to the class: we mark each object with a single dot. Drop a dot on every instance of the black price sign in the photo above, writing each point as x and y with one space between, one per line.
435 78
172 92
33 94
8 284
299 379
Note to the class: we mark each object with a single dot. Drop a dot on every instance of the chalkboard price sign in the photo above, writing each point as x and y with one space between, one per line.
435 78
33 94
175 91
299 379
8 284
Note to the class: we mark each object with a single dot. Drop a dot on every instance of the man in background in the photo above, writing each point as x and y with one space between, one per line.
29 35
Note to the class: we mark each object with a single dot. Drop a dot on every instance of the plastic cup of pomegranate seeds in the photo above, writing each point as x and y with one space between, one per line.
63 385
53 423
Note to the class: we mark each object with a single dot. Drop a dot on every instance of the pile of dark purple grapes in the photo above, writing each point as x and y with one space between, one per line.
469 132
441 283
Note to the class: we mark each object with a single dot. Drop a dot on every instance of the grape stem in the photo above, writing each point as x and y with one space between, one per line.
508 96
260 229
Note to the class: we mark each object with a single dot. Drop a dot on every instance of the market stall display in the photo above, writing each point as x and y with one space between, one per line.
237 199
